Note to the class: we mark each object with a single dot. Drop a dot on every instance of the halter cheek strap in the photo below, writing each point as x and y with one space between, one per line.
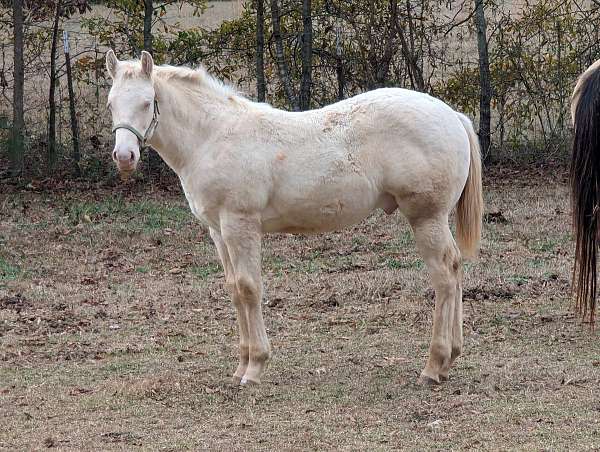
142 139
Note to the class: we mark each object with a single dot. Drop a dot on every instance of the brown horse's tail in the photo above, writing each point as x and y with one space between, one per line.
469 209
585 186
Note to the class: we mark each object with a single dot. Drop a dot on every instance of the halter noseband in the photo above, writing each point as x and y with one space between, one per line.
142 139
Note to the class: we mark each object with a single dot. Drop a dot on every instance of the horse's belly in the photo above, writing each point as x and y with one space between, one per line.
306 215
330 218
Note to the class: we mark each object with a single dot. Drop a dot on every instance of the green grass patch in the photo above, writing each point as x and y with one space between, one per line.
544 245
307 266
395 264
359 240
205 271
519 280
537 262
8 271
122 367
146 215
276 264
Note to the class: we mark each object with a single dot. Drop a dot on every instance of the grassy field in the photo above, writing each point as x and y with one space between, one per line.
116 332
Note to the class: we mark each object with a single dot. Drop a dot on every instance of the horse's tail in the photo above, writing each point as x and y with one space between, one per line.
585 186
469 210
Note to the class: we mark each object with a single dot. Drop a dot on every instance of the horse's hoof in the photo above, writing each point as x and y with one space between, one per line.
443 378
428 381
236 381
245 381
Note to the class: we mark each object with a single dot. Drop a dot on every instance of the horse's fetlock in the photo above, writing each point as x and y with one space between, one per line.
440 350
260 355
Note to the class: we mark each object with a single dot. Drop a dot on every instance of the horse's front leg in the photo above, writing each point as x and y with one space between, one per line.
242 237
240 311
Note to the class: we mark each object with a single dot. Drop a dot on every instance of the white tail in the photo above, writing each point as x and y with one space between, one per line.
469 210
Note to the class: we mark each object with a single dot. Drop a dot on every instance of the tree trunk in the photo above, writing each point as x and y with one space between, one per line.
261 85
51 156
18 125
339 61
148 26
485 94
74 127
307 38
284 73
153 159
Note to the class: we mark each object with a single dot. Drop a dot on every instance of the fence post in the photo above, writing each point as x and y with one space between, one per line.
74 127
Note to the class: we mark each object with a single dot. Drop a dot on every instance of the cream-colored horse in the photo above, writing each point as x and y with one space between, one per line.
247 169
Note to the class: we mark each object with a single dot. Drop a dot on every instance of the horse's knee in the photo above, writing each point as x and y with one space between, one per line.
247 288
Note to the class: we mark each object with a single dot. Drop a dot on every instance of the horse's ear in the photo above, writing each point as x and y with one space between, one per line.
147 64
111 63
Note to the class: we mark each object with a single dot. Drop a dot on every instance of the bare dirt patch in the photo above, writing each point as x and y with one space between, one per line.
116 332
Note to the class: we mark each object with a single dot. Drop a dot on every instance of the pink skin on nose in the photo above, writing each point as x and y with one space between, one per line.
124 158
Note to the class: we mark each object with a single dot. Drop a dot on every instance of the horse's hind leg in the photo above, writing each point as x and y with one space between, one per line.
457 324
440 253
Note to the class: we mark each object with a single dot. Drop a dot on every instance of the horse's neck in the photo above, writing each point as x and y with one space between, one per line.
185 124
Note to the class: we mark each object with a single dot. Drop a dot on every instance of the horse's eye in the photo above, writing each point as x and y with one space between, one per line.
147 104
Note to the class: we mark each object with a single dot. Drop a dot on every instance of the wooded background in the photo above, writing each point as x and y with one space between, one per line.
509 65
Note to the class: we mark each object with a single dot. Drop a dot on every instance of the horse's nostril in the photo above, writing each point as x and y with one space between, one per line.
114 155
131 157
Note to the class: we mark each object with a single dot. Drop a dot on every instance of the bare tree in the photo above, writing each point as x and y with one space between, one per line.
485 84
18 126
261 85
339 60
74 126
148 26
376 38
415 71
307 37
284 72
51 155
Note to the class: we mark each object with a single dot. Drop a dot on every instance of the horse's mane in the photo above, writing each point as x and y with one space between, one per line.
198 79
195 79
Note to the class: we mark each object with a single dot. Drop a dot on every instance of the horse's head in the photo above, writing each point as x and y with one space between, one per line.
133 106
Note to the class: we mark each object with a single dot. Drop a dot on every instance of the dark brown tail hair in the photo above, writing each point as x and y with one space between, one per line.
585 188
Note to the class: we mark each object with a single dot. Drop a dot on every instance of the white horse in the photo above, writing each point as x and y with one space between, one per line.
247 169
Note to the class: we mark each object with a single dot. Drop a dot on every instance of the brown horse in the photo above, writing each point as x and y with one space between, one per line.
585 187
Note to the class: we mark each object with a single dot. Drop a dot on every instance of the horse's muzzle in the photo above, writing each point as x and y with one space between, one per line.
126 162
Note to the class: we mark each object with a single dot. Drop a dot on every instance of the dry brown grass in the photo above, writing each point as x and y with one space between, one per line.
116 332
